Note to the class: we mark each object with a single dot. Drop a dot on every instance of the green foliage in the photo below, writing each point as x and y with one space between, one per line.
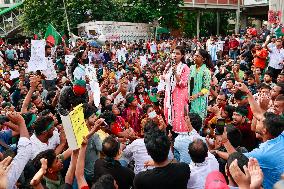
39 13
149 10
208 23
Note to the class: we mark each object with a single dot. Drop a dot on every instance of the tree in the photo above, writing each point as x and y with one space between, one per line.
149 10
208 23
39 13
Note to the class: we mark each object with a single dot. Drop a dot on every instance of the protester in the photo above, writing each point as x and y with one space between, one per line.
146 129
176 99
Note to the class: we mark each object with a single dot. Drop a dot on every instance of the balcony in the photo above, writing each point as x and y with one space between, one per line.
9 3
223 4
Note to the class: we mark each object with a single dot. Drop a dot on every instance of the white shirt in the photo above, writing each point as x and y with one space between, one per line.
137 151
120 55
199 172
38 146
19 162
181 144
79 72
276 58
212 48
153 48
132 85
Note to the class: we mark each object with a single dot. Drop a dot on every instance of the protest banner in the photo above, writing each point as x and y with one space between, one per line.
68 59
50 72
14 74
37 60
75 127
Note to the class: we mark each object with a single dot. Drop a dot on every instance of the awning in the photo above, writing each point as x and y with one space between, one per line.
161 30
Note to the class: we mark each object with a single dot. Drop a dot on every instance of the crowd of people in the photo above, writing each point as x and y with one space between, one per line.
176 113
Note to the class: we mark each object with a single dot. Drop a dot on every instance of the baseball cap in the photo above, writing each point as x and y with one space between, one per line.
216 180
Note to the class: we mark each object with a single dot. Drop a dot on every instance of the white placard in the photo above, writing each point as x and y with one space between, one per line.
37 60
50 72
14 74
36 64
143 60
38 48
70 136
68 59
95 88
91 72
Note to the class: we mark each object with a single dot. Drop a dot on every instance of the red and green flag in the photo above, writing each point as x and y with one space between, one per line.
37 36
52 36
279 32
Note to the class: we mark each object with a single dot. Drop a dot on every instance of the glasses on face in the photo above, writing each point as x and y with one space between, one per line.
220 99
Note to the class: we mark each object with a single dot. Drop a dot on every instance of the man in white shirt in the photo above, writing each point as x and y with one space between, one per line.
203 163
137 151
276 55
212 49
194 124
46 137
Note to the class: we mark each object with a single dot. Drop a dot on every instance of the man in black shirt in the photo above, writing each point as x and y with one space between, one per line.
110 164
165 175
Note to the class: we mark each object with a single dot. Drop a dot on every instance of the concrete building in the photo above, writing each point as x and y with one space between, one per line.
9 3
244 9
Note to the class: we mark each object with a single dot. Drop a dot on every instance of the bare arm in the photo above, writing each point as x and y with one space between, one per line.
56 98
62 144
81 165
33 84
257 111
266 44
69 178
36 181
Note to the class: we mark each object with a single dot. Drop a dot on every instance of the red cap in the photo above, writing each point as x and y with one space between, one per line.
216 180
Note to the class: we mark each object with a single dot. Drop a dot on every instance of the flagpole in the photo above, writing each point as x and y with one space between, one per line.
68 25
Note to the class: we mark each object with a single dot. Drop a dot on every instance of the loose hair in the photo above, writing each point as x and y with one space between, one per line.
207 57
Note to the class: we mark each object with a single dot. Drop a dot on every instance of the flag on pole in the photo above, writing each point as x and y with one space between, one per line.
279 32
52 36
37 36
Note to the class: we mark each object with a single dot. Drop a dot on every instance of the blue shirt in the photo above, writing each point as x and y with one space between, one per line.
5 136
10 54
270 156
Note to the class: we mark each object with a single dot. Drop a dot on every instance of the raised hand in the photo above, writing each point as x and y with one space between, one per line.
16 118
243 87
34 81
4 168
242 179
256 174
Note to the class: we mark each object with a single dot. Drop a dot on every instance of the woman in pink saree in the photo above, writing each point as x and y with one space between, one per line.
176 94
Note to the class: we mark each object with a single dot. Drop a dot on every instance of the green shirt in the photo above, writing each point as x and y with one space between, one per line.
55 184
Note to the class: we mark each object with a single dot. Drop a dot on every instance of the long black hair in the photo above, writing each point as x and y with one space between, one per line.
75 63
207 57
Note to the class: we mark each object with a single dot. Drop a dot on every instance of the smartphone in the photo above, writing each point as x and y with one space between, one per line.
219 129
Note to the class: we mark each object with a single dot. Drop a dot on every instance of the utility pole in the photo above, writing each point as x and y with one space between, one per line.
198 24
238 12
218 22
68 25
